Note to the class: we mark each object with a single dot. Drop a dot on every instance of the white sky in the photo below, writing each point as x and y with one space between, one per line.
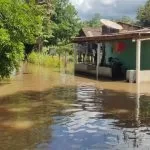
107 8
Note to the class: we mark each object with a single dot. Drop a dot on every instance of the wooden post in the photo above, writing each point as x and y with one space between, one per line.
98 60
86 53
138 60
75 53
75 49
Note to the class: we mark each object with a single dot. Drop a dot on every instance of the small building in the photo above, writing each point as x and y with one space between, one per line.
115 54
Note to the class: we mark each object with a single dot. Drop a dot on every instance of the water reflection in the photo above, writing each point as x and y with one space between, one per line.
106 120
26 117
71 113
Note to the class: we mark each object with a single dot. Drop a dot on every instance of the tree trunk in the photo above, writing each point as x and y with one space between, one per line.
59 61
65 59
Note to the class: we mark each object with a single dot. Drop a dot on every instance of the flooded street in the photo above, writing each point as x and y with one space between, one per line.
41 109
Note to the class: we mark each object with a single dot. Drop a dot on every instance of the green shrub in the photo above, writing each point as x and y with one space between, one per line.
19 23
44 60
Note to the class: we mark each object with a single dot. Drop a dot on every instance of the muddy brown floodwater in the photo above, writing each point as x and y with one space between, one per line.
42 109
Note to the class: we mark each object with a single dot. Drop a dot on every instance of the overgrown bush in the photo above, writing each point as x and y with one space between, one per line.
19 23
44 60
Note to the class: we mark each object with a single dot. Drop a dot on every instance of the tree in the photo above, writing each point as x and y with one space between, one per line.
65 22
19 23
94 22
143 14
126 19
46 9
64 49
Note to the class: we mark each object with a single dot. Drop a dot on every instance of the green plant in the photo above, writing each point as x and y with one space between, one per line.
44 60
143 14
19 23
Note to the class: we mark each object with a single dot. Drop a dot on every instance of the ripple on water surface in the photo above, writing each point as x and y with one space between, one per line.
72 113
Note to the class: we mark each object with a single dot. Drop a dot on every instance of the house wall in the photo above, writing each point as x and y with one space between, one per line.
128 56
145 55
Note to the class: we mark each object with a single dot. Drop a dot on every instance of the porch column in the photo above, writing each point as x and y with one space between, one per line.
75 48
98 59
138 60
138 104
86 53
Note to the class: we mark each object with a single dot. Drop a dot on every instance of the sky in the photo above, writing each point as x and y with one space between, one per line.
109 9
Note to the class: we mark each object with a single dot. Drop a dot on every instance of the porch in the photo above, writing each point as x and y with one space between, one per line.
96 65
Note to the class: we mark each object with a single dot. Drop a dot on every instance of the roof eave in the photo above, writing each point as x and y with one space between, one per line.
113 37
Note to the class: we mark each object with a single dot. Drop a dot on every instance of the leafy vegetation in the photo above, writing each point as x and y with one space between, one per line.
143 14
44 60
19 23
126 19
66 23
93 22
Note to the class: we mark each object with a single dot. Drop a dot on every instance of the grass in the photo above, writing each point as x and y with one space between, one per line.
52 62
44 60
